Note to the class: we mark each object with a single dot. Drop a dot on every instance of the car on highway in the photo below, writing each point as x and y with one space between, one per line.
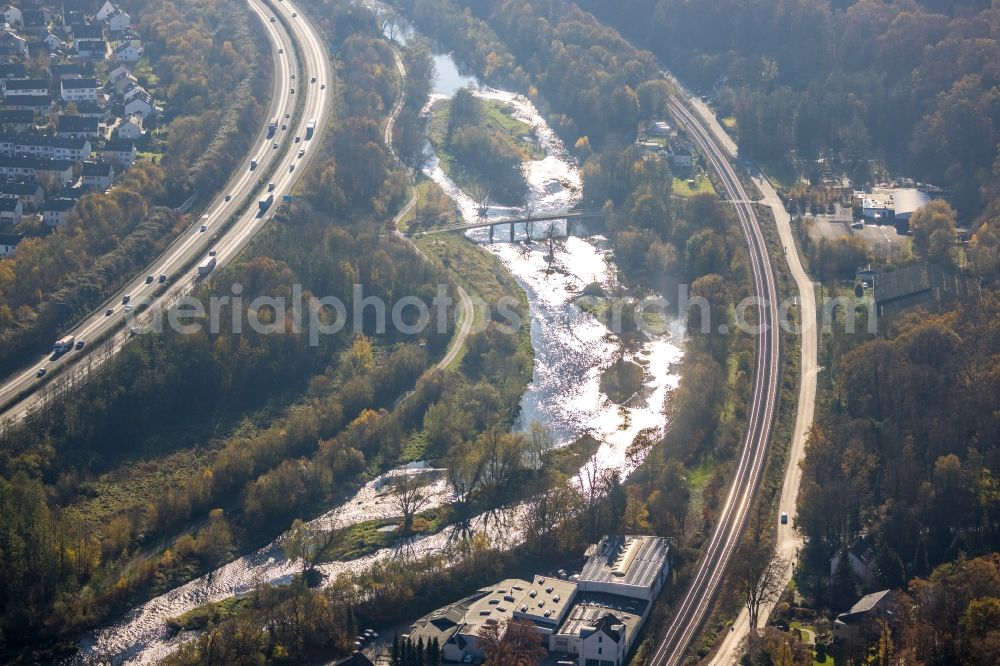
163 278
229 197
294 14
273 19
293 76
287 116
322 86
80 344
302 152
149 279
212 253
281 50
292 91
275 145
297 139
291 167
40 373
125 299
284 126
270 187
312 80
109 312
203 228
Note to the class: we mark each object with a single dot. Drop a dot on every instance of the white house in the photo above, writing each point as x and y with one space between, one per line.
14 43
55 211
79 90
10 211
132 91
98 175
53 42
126 52
16 87
106 10
120 151
9 243
141 104
119 20
131 127
12 15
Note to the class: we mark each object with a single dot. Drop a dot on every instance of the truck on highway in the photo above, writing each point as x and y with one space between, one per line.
63 345
206 266
272 128
310 129
266 202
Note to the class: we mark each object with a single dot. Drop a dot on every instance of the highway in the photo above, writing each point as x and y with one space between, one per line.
230 221
691 612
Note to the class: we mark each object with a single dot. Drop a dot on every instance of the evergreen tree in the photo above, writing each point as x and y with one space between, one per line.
396 659
420 652
844 586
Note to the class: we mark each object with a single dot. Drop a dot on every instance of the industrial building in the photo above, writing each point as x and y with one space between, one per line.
592 618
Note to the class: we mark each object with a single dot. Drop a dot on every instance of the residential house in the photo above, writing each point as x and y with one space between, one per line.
141 104
859 627
126 52
79 90
11 211
9 243
38 104
98 175
40 145
97 109
88 32
12 15
132 90
117 73
13 43
127 36
56 210
34 22
131 128
74 126
12 70
26 87
680 153
71 18
120 151
860 556
53 42
92 50
65 70
106 10
119 20
28 192
16 120
26 166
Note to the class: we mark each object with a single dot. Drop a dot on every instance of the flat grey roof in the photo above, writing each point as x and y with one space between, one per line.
589 607
627 560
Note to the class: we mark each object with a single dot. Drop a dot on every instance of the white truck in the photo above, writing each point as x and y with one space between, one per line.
206 266
64 345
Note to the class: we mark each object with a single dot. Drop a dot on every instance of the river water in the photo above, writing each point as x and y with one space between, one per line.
572 349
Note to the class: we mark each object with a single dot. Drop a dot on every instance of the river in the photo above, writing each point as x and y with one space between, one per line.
571 348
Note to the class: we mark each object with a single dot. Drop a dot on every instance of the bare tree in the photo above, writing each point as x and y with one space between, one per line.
409 492
515 643
757 574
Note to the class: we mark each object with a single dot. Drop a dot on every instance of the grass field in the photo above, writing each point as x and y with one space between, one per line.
702 185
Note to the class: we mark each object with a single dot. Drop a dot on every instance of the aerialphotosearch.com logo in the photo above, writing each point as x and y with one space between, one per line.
315 317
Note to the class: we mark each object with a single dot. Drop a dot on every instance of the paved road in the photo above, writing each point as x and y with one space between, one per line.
789 541
692 611
293 69
468 312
